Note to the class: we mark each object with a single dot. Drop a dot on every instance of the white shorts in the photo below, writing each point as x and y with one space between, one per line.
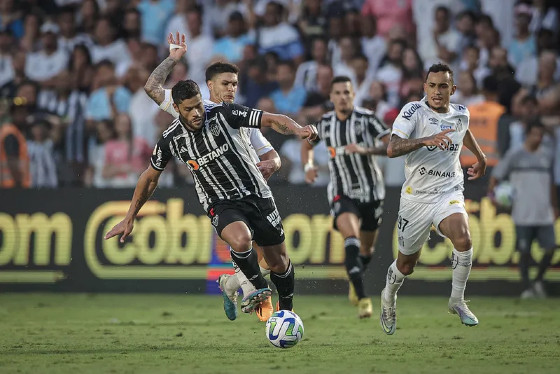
416 219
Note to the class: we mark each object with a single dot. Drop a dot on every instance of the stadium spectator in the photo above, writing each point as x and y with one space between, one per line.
142 109
40 149
125 156
484 117
464 23
306 73
544 16
388 13
47 63
349 48
155 15
275 35
108 46
442 44
107 97
470 62
523 44
373 44
217 15
11 19
390 70
255 83
312 21
362 77
290 96
69 36
529 170
104 132
132 24
200 46
467 90
14 157
234 40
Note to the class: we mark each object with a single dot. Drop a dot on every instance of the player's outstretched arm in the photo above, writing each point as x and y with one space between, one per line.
376 150
287 126
478 169
145 186
399 146
154 85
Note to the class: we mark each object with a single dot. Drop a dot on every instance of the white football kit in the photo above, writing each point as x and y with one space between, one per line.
433 189
259 144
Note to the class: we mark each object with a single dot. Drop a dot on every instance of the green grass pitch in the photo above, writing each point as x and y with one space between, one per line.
147 333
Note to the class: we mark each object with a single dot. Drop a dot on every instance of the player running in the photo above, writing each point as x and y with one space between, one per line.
356 189
222 83
431 132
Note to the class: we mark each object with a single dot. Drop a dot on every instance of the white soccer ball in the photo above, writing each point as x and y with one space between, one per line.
503 193
284 329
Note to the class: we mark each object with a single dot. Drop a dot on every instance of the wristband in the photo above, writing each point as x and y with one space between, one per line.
308 167
173 46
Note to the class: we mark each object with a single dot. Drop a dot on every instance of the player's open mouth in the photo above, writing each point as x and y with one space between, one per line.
196 121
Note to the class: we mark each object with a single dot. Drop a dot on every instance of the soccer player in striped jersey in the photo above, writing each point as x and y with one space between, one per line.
353 136
222 82
431 133
229 186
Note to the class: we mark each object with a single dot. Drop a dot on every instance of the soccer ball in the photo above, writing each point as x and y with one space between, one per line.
503 193
284 329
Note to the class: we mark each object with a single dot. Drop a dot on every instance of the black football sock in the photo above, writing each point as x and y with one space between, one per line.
249 265
285 286
354 266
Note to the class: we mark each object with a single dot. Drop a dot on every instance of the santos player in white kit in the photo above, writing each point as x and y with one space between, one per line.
431 133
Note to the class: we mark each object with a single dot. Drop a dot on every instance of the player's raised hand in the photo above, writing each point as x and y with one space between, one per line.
477 170
124 227
177 46
440 140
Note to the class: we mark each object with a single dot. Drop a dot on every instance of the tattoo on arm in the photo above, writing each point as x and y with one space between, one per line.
400 146
281 128
154 85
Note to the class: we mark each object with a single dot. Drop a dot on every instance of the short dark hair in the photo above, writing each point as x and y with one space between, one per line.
219 68
436 68
184 90
340 79
534 124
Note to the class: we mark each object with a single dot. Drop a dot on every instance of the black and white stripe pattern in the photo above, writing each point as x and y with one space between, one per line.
218 155
353 175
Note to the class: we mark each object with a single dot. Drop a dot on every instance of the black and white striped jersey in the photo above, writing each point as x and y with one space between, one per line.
218 154
353 175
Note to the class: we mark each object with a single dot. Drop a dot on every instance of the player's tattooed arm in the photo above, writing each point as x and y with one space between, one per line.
399 146
154 85
287 126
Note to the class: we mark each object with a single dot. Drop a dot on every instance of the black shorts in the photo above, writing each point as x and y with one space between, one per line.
259 214
368 213
525 235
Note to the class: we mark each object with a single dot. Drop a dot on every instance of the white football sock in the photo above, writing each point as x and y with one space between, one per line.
461 263
264 271
242 281
393 282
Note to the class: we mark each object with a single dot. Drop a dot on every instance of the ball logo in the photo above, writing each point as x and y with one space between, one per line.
193 164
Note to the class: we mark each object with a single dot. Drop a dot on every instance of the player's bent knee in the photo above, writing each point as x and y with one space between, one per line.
240 242
463 243
278 263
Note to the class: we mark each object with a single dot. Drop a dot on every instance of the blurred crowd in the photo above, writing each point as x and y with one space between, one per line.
74 112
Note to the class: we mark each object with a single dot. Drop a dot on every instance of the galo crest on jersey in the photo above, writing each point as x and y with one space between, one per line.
358 128
214 128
